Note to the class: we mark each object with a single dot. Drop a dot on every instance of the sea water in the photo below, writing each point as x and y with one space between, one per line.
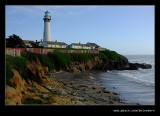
134 86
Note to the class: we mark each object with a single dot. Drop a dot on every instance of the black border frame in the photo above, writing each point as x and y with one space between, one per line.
76 109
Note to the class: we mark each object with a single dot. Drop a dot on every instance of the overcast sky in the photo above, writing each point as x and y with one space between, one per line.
128 30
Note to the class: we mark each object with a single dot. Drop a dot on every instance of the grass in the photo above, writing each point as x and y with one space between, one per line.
44 59
81 57
103 56
61 60
110 55
17 63
29 55
32 101
9 74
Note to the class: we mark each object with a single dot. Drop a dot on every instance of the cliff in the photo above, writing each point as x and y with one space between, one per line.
31 85
27 82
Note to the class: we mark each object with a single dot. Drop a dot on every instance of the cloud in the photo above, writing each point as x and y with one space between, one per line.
59 10
20 14
28 12
14 9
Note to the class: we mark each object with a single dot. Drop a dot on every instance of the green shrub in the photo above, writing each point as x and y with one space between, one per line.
17 63
81 57
103 56
25 75
44 59
32 101
24 54
61 60
111 55
29 55
9 74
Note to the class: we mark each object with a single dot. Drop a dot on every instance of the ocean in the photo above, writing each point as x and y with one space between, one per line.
134 86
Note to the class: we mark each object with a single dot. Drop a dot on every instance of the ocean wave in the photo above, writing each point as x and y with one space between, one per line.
136 79
143 60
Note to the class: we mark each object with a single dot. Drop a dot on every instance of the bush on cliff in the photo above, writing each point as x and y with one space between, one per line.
110 55
31 101
9 73
61 60
17 63
103 56
43 58
29 55
81 57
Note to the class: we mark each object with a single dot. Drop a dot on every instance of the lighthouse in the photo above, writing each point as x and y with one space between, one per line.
47 33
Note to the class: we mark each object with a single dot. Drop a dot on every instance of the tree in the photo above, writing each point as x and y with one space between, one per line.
35 45
14 41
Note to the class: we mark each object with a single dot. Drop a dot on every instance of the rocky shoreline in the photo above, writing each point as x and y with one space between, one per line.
82 91
61 90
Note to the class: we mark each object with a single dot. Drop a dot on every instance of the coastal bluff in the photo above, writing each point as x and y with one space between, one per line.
28 79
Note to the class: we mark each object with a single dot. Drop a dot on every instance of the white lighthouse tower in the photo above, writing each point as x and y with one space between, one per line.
47 33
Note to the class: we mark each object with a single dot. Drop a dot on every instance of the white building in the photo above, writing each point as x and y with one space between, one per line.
54 44
79 46
93 45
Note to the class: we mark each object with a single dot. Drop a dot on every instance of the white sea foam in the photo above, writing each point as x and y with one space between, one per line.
137 79
145 76
136 86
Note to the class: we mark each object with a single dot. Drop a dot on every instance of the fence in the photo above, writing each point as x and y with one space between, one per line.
13 52
16 51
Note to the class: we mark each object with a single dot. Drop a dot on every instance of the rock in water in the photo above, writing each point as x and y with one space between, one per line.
145 66
135 66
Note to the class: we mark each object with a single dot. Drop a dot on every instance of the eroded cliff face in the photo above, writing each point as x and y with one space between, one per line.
77 67
59 91
98 64
39 88
23 89
14 94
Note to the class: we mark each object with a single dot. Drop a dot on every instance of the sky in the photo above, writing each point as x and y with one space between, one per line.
128 30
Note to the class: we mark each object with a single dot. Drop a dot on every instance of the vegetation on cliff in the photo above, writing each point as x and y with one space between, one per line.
43 58
53 61
17 63
111 55
26 82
